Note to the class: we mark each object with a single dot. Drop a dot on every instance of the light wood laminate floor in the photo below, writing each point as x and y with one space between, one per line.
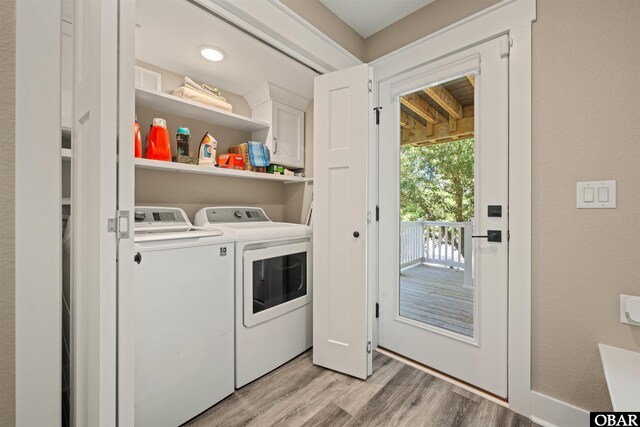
302 394
437 296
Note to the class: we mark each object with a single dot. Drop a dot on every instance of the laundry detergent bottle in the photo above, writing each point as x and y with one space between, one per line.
137 139
158 143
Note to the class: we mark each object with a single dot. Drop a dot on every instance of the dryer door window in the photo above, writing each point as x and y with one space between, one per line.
279 280
276 281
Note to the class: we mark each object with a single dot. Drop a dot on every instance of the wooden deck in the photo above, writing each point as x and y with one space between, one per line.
437 296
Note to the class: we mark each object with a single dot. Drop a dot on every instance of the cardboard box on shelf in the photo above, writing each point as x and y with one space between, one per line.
231 161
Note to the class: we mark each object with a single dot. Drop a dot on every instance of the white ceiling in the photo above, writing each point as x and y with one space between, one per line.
171 33
368 17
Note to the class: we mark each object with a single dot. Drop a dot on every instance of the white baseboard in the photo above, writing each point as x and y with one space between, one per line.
550 412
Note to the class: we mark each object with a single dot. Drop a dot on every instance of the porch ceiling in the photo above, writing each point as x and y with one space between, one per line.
438 114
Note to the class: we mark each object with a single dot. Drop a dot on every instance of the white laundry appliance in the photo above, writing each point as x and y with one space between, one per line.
273 309
184 336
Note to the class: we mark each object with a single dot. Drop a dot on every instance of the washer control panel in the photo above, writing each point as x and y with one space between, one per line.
148 219
235 215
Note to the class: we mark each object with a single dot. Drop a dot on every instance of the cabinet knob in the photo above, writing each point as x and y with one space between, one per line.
356 234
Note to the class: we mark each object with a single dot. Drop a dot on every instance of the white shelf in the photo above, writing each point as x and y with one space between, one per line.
302 179
212 170
622 372
186 108
65 153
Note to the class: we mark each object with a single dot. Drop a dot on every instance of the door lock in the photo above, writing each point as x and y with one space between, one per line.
492 236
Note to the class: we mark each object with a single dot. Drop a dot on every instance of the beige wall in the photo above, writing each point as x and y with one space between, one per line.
7 207
326 21
429 19
585 56
585 127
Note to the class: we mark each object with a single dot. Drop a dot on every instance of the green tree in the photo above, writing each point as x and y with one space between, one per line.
437 182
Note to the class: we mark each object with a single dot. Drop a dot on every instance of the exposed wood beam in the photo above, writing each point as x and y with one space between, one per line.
472 79
408 122
444 99
421 108
441 133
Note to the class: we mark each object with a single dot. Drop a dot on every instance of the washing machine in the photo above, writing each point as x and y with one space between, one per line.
184 327
273 288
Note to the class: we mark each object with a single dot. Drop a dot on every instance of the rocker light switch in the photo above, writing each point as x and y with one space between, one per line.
596 195
588 195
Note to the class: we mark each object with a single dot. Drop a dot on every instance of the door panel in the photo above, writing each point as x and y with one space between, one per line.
94 195
340 333
443 293
126 188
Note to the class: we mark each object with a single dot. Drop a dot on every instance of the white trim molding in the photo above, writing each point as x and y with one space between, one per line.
550 412
276 24
512 17
38 250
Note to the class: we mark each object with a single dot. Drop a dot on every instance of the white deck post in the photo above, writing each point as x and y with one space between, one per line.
423 241
468 255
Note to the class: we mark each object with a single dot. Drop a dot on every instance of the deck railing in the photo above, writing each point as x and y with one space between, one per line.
437 242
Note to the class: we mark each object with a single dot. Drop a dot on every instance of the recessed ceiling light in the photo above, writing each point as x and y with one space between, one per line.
212 53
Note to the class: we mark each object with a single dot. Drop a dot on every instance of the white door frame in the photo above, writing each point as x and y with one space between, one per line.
512 17
38 229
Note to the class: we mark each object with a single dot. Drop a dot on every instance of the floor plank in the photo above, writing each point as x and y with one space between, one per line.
302 394
436 296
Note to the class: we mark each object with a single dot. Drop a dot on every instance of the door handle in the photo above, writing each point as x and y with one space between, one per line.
356 234
492 236
275 145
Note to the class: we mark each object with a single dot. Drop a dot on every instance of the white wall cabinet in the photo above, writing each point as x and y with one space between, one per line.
284 110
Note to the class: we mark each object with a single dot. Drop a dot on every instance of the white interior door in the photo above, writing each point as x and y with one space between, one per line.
126 202
341 339
443 294
94 145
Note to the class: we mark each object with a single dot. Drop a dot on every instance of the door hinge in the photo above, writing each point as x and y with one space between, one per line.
368 347
377 110
377 310
377 213
370 86
119 225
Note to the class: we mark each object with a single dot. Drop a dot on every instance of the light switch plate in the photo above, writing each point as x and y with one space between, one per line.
596 195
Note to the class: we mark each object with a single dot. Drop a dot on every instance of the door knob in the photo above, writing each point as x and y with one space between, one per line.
356 234
137 258
492 236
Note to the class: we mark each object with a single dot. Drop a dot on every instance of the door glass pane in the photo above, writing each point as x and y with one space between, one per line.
278 280
437 176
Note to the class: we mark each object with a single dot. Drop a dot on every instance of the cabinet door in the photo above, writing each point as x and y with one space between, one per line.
288 136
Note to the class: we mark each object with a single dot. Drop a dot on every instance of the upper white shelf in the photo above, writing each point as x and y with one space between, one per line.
212 170
194 110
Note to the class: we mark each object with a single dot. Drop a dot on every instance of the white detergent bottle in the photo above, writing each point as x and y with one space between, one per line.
207 151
